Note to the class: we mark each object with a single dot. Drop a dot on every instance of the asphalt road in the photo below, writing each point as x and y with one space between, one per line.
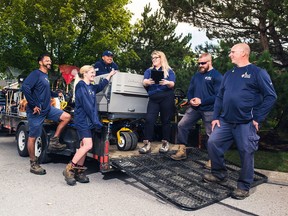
23 193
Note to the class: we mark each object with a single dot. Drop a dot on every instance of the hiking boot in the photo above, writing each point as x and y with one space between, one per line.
146 148
80 175
165 146
36 168
208 165
55 145
211 178
180 154
239 194
69 174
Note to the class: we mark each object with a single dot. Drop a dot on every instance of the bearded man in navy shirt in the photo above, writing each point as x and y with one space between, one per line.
201 95
36 88
245 98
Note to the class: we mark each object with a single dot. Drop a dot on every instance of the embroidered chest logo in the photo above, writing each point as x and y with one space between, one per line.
208 78
47 80
246 75
90 92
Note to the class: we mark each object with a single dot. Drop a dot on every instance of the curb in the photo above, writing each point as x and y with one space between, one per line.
275 177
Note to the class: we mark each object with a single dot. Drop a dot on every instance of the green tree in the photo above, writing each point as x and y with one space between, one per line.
72 31
263 24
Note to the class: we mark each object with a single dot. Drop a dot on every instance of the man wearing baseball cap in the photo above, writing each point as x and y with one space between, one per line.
106 64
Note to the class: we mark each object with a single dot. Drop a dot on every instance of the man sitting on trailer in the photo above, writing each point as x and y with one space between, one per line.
36 88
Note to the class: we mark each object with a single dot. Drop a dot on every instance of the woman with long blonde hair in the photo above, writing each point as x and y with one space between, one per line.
161 100
86 120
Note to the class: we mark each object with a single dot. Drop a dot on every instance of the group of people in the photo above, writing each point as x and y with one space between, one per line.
231 107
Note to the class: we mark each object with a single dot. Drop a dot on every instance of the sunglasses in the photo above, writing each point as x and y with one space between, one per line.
202 63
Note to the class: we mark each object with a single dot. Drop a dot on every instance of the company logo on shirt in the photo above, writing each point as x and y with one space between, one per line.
96 69
47 79
246 75
208 78
90 92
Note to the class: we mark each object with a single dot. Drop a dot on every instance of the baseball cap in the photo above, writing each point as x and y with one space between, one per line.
107 53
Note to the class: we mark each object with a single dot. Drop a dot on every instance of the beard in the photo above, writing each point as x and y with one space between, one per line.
48 66
203 69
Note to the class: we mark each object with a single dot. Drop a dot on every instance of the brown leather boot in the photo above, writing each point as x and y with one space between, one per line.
180 154
36 168
69 174
80 175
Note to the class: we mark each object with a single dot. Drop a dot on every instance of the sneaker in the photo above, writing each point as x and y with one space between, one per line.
36 168
211 178
80 175
165 146
55 145
69 174
239 194
146 148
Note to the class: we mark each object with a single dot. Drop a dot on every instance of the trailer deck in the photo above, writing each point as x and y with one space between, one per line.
180 182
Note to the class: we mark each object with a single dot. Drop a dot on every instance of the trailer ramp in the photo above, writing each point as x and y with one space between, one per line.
180 182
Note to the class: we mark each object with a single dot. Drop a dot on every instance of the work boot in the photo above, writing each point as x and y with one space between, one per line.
36 168
239 194
69 174
180 154
146 148
55 145
165 146
209 177
208 164
80 175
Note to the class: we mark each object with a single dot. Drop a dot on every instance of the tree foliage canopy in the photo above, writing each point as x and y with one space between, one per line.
263 24
72 31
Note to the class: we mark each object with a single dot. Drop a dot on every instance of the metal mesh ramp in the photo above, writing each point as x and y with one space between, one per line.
180 182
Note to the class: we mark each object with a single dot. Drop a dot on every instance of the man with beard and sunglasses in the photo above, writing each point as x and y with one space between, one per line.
36 88
201 95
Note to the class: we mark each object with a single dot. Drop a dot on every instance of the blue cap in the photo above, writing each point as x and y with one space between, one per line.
107 53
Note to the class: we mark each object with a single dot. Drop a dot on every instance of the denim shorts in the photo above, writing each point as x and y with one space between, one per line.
36 120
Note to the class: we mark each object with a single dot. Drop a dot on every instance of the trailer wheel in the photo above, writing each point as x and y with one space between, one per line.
125 141
134 140
41 148
22 137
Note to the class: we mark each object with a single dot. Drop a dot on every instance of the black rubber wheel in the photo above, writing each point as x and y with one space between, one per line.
41 148
134 139
21 138
125 142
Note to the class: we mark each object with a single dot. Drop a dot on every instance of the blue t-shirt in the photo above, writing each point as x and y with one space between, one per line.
36 88
205 86
86 111
102 68
246 93
155 88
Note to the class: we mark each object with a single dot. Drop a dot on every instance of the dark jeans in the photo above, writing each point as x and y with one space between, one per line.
164 103
246 139
189 120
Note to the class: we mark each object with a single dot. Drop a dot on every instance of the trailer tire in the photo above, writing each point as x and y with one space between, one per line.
21 138
134 140
41 148
125 143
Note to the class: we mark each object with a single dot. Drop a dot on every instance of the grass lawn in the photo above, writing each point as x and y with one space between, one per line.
268 160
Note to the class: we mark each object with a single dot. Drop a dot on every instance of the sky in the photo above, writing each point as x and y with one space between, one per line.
137 7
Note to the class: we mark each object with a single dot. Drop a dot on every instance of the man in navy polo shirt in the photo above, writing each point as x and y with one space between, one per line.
245 97
106 64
